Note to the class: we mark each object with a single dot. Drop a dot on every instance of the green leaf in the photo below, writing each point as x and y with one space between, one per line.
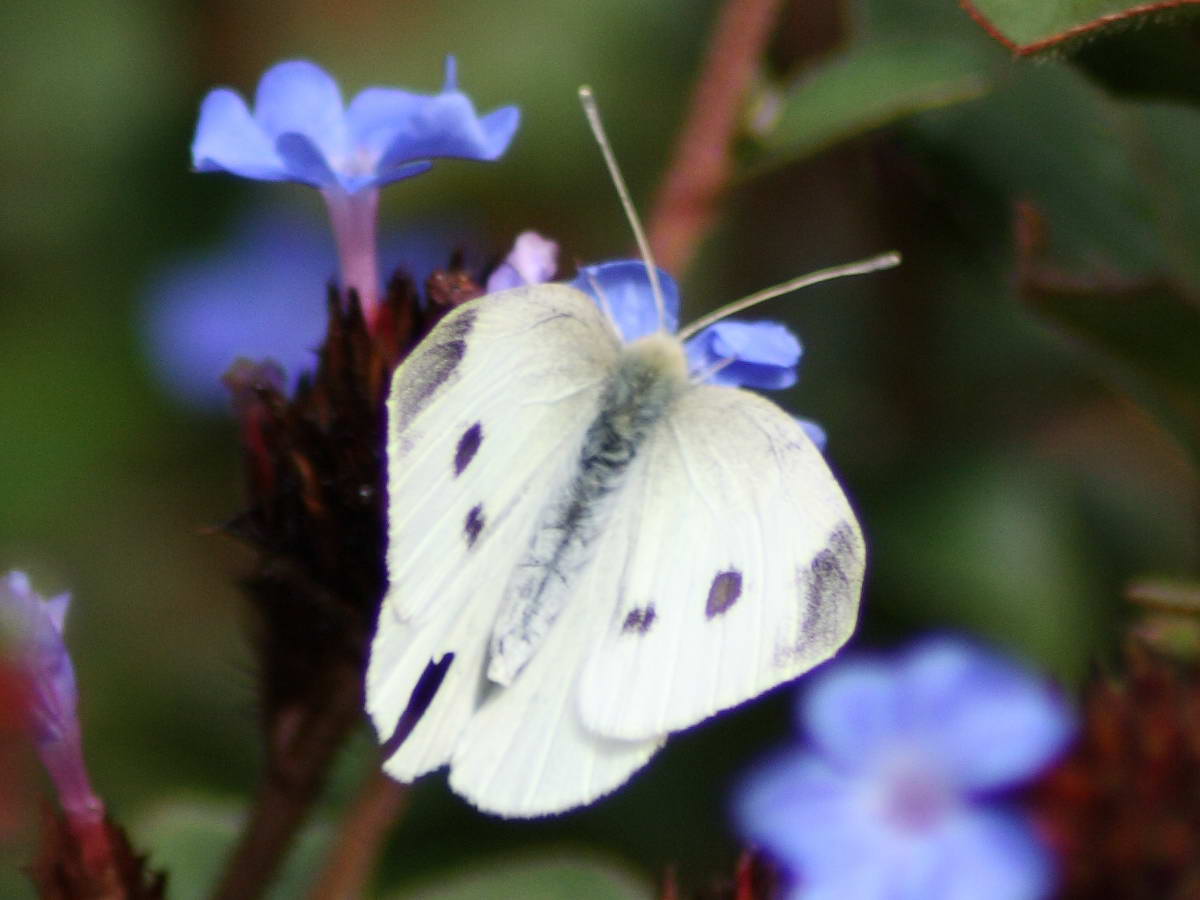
190 840
1031 27
546 877
1145 339
1144 336
868 87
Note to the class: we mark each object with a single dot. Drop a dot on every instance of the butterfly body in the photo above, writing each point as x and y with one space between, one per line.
588 550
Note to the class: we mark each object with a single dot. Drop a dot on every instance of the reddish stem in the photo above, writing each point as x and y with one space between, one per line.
379 804
700 169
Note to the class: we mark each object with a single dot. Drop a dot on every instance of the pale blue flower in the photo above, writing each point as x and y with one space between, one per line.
260 294
300 130
532 260
899 793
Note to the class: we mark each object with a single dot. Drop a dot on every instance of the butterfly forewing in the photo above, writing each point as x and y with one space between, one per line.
740 568
485 420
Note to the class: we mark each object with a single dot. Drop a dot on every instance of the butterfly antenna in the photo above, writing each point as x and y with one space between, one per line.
592 111
862 267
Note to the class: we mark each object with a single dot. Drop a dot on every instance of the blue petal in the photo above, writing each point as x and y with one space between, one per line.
764 354
442 126
990 723
228 139
304 161
815 432
627 295
299 97
988 854
801 810
852 711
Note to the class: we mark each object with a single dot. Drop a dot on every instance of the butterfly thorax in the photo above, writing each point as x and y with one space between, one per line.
650 373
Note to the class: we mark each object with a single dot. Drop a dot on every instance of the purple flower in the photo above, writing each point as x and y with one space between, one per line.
259 295
300 130
34 627
532 260
898 794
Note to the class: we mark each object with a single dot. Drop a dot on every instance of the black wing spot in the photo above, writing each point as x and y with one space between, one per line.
639 619
723 593
474 524
468 444
418 701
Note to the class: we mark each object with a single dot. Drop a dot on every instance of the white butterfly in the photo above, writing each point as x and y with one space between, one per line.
588 550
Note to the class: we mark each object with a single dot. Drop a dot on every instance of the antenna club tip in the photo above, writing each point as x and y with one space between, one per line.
893 258
585 91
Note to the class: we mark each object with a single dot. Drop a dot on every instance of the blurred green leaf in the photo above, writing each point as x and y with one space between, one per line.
996 547
866 88
546 877
1157 59
1150 332
1030 27
189 840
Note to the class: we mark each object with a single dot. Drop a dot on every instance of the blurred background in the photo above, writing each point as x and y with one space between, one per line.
1008 410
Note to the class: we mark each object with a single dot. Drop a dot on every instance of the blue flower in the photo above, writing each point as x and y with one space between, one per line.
898 794
301 131
761 355
33 626
259 294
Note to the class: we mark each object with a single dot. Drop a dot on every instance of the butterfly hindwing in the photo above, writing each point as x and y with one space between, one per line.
485 420
526 751
741 568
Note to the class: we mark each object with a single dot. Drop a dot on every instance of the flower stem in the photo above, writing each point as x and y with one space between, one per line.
379 804
354 219
700 168
301 747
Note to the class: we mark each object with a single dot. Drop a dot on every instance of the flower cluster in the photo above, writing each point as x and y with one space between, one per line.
899 793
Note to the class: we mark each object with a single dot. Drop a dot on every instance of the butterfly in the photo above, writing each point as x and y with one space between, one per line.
590 548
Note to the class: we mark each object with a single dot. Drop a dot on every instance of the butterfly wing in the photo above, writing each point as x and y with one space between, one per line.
740 568
485 422
526 751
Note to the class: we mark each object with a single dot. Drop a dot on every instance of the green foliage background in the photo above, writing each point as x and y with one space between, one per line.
1017 457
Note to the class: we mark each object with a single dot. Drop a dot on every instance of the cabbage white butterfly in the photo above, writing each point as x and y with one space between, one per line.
588 549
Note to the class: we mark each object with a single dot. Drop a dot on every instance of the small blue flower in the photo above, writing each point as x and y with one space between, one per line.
897 794
532 260
764 354
33 627
622 290
259 294
761 355
301 131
